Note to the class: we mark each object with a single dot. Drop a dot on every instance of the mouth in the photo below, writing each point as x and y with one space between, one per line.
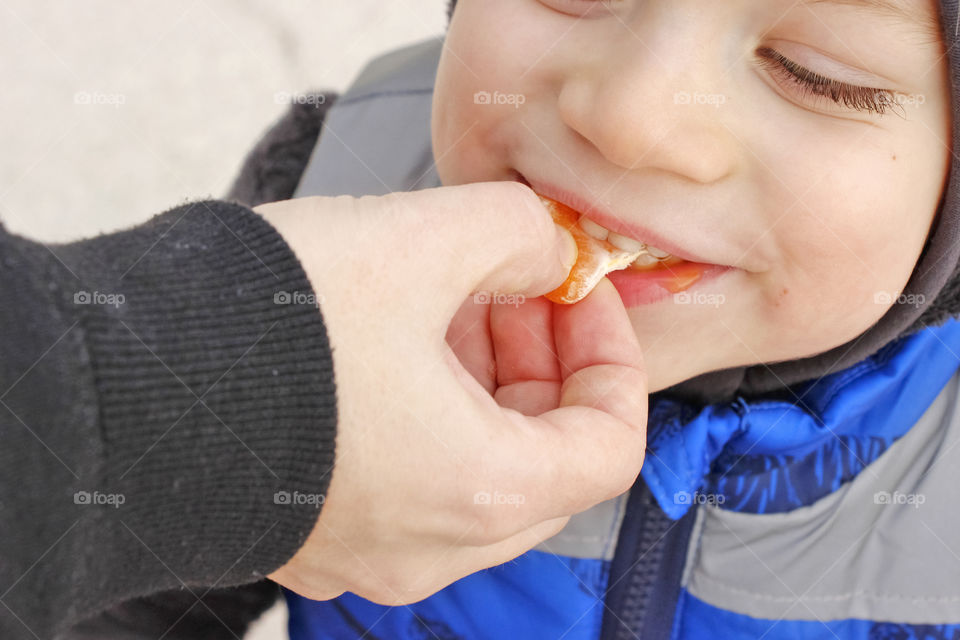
648 268
631 237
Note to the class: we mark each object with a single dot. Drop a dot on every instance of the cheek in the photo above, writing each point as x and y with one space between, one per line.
848 242
481 94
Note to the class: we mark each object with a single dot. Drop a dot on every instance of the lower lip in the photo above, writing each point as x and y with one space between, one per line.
638 287
647 287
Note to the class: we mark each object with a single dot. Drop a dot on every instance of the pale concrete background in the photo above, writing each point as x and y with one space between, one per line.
114 110
117 110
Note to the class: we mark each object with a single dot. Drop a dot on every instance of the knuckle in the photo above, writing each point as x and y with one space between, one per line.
488 524
477 521
381 588
393 587
487 528
625 480
623 464
474 536
625 485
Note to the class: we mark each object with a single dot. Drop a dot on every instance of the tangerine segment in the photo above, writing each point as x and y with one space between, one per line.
595 258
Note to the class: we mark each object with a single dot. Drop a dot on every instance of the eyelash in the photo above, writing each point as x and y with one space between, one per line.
851 96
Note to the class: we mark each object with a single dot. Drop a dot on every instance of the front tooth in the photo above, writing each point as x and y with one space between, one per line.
645 260
591 228
657 253
623 242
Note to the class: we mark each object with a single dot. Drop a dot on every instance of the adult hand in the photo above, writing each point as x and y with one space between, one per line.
443 467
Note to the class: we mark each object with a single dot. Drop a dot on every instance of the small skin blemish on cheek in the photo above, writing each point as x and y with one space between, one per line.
783 294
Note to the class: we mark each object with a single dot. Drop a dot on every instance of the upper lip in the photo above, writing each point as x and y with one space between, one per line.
612 222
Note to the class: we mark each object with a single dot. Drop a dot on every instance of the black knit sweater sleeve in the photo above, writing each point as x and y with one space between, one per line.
158 402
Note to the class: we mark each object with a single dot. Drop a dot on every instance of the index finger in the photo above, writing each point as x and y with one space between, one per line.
591 448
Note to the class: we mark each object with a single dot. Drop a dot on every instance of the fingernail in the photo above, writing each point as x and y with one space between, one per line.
569 251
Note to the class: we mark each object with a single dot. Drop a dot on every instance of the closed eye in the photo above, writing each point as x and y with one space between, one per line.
851 96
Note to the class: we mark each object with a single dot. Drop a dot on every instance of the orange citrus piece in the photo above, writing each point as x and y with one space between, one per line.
595 258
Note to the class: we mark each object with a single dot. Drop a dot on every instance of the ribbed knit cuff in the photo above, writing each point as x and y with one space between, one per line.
216 389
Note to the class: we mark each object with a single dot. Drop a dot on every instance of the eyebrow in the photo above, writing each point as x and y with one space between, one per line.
928 25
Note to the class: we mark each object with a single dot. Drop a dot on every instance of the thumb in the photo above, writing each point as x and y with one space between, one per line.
493 238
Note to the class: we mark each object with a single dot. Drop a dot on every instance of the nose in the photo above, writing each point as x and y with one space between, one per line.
651 104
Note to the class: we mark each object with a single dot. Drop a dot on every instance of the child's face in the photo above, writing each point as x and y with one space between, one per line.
679 116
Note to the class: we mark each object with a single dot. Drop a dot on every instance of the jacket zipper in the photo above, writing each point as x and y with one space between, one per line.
644 580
